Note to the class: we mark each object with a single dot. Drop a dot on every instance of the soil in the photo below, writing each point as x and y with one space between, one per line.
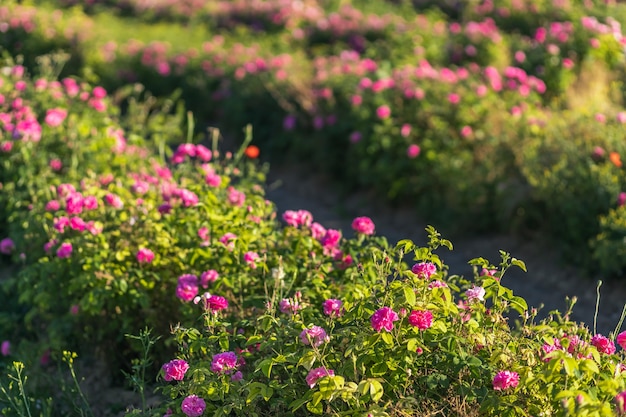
546 285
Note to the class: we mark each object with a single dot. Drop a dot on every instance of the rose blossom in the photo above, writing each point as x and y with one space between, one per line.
114 201
175 370
603 344
620 399
413 151
422 319
505 379
314 336
5 348
332 307
6 246
217 303
475 293
317 373
65 250
54 117
187 287
383 112
193 406
383 319
288 306
208 277
250 258
363 225
145 256
621 339
224 363
424 270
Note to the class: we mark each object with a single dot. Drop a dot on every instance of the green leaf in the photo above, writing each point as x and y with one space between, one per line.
409 295
379 369
387 338
253 340
570 365
307 360
294 405
518 304
266 367
315 405
224 344
267 392
364 387
406 245
588 365
376 390
519 263
411 345
254 390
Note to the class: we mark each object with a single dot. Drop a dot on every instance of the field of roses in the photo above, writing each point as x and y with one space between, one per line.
134 236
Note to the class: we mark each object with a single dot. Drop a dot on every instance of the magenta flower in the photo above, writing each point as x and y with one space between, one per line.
224 363
603 344
298 218
424 270
6 246
237 376
175 370
383 112
289 306
76 223
208 277
90 202
217 303
314 336
475 293
332 307
363 225
620 400
317 231
505 380
53 205
65 250
145 256
203 233
187 287
74 203
413 151
621 339
114 201
331 238
250 258
56 164
383 319
193 406
189 198
228 240
317 373
405 130
236 197
422 319
54 117
437 284
5 348
213 180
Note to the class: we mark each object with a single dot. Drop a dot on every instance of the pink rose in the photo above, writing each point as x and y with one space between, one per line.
505 379
175 370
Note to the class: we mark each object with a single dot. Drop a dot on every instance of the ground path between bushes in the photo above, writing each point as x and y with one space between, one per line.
548 281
